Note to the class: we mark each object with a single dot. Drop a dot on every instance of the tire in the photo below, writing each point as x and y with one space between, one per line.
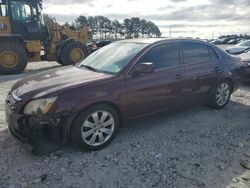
220 95
13 58
58 52
70 48
58 60
86 132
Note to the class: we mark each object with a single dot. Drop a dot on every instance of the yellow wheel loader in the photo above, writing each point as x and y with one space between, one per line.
27 36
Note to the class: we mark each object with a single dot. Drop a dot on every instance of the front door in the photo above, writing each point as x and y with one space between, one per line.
153 92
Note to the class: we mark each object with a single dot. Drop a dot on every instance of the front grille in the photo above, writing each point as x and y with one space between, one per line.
12 102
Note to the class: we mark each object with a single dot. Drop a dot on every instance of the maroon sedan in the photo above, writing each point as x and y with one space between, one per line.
127 79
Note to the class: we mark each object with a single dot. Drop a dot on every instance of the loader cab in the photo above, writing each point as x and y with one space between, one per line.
4 19
25 18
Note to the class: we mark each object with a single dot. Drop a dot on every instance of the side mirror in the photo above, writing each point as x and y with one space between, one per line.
143 68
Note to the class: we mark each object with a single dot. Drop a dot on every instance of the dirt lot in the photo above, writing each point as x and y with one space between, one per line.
191 147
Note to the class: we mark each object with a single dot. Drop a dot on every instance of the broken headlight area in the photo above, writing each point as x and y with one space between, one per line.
39 106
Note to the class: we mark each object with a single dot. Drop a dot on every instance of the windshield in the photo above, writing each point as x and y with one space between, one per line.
112 58
244 43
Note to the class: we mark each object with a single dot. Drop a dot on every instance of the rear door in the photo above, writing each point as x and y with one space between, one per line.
202 66
159 90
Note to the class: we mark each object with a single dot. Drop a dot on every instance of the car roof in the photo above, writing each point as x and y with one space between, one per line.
154 40
146 40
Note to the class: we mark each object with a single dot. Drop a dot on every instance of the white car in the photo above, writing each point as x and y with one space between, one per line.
239 48
246 59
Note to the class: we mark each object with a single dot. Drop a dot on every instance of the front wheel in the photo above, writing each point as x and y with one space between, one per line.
221 95
95 127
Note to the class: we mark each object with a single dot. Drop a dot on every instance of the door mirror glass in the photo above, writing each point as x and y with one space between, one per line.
143 68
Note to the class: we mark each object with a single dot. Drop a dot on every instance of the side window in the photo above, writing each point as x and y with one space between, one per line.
195 53
213 54
163 55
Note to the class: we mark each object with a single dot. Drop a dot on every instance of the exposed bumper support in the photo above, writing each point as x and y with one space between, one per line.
40 134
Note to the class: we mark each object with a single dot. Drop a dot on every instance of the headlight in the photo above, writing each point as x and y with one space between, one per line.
39 106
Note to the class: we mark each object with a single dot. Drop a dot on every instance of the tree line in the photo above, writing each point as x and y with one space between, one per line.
103 27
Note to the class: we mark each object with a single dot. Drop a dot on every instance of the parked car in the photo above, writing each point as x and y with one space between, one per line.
239 48
92 46
127 79
225 40
233 41
221 41
103 43
216 42
246 59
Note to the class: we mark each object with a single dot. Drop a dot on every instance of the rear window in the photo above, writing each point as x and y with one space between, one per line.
195 53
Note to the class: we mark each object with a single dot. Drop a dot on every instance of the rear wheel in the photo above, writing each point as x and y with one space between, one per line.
13 58
72 53
221 95
95 127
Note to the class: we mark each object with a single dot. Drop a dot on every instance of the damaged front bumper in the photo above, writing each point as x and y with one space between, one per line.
39 134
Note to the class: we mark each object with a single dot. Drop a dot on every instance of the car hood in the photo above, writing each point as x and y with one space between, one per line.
237 49
55 80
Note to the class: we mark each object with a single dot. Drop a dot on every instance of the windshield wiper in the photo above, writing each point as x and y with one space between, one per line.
95 70
90 68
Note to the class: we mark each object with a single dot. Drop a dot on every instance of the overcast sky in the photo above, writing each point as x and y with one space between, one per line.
189 18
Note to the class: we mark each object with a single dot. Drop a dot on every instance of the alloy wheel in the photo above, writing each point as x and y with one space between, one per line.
97 128
222 94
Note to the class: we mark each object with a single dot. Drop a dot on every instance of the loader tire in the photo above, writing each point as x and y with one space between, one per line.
72 53
58 60
13 58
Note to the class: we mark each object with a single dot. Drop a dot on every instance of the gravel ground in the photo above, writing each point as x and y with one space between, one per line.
191 147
